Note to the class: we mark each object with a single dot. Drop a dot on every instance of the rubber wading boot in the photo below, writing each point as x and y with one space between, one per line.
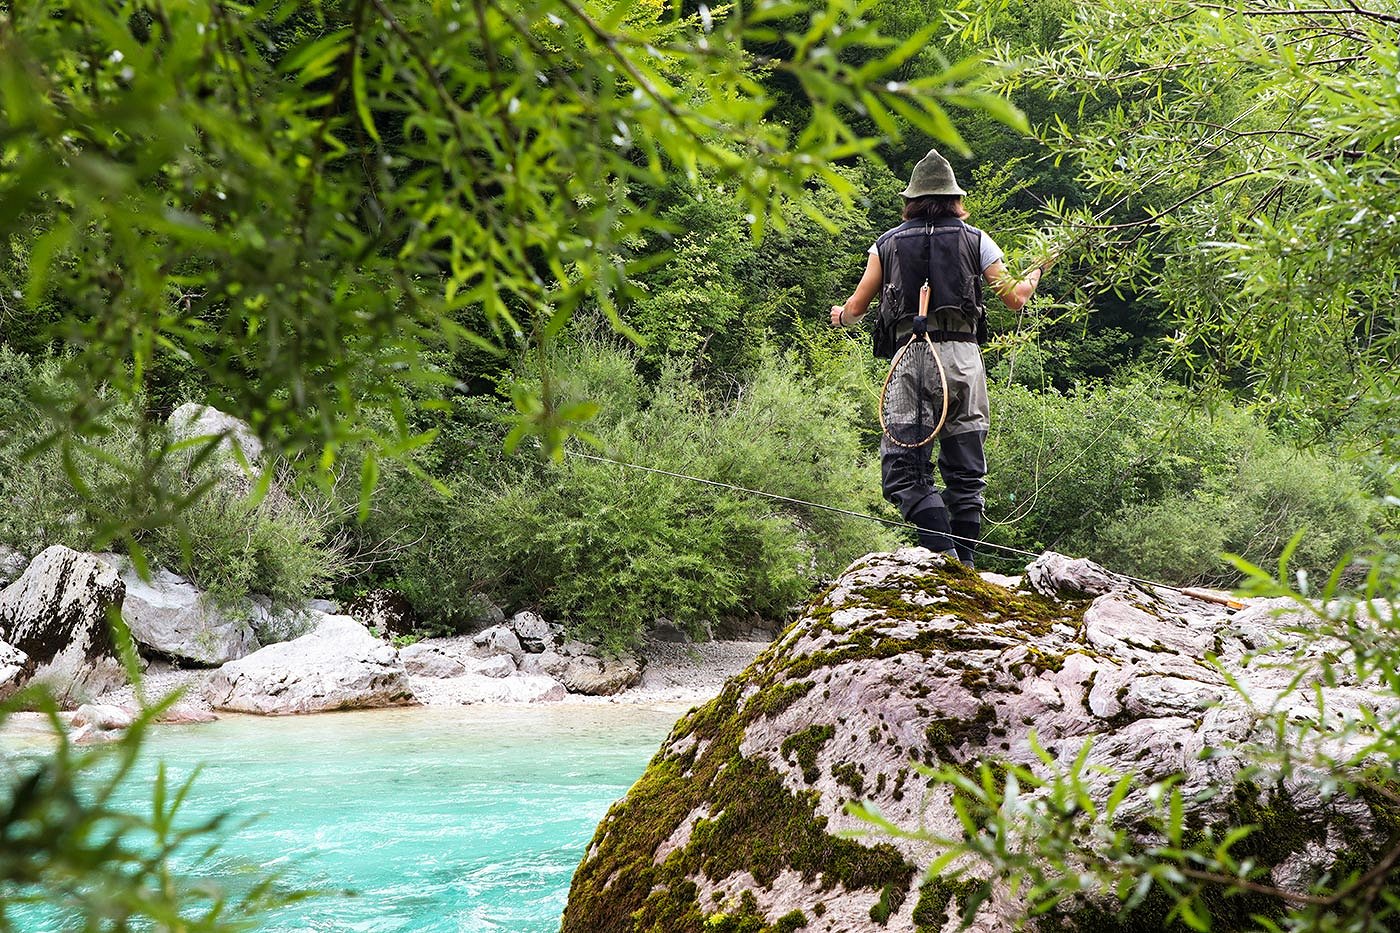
933 529
968 532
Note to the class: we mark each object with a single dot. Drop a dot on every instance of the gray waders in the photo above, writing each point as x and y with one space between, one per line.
906 474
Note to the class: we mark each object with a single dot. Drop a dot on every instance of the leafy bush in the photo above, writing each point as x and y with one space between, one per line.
226 544
231 548
1135 476
609 549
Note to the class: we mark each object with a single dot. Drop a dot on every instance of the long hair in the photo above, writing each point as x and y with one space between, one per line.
935 207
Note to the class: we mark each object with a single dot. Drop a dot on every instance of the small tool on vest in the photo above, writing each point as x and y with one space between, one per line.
914 399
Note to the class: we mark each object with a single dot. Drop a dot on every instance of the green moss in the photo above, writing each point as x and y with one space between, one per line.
805 745
757 824
848 774
931 912
775 699
1280 830
945 734
891 899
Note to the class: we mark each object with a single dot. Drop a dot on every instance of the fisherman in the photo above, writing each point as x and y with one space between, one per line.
936 244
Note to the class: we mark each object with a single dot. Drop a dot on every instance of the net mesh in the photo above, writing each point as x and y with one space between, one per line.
912 407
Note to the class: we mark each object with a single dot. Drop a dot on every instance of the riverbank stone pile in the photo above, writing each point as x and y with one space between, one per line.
55 614
740 821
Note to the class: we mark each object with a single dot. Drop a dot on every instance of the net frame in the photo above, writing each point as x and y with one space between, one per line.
932 351
920 333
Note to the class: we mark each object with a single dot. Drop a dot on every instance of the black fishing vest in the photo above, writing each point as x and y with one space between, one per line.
946 253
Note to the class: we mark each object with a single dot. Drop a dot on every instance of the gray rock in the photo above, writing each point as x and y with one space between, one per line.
56 613
193 420
595 676
572 648
337 665
238 457
664 630
103 716
476 688
386 611
14 669
328 606
501 665
169 616
548 663
944 670
483 613
1053 574
534 633
427 661
498 639
12 564
186 713
273 626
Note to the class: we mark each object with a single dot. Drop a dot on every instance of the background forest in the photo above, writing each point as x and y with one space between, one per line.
1204 366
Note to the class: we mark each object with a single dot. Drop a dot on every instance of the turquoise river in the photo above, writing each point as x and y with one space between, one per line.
429 820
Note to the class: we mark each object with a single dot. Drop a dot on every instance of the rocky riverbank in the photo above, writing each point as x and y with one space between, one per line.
55 631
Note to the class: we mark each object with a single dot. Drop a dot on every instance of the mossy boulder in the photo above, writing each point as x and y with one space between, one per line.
739 822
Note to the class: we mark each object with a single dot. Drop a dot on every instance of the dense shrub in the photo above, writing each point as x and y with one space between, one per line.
227 545
1137 477
609 550
230 548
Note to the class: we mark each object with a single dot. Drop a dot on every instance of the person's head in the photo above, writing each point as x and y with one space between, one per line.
935 207
933 191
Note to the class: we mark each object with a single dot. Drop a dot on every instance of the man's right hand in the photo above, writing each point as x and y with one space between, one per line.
838 315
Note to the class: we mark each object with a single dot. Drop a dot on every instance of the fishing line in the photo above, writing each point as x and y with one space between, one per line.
864 516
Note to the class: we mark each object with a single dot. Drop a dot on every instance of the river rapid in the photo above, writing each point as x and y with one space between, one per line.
429 820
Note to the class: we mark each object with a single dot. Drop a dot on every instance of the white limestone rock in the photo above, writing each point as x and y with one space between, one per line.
428 661
170 617
479 688
193 420
337 665
549 663
14 669
103 716
1053 574
56 614
911 657
595 676
498 639
12 564
533 632
501 665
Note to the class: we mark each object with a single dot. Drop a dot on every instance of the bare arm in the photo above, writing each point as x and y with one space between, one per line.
1012 293
860 299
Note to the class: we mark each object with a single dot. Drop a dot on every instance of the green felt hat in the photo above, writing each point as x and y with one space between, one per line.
933 175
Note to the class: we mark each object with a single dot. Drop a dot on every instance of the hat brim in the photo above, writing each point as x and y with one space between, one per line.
911 193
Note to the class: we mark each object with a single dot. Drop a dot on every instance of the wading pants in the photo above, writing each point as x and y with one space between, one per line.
907 475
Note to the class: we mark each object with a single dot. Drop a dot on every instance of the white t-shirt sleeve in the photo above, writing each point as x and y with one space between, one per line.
991 253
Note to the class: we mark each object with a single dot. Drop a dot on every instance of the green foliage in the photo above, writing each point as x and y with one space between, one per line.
1256 151
69 856
1110 851
1173 487
218 535
608 549
299 202
229 547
